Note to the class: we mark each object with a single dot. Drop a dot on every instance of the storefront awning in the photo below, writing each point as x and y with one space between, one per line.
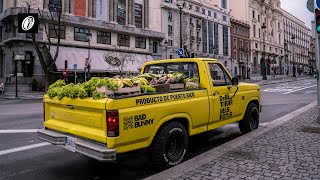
99 59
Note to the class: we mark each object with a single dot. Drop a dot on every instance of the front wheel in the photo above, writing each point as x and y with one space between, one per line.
250 120
169 146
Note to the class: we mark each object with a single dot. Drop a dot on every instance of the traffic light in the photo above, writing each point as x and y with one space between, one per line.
66 64
317 11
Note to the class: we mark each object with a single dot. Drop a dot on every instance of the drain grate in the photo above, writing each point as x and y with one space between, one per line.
311 130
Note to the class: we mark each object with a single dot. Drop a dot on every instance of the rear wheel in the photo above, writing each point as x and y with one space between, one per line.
250 121
169 146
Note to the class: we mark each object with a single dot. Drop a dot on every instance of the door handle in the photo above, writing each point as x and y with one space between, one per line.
215 93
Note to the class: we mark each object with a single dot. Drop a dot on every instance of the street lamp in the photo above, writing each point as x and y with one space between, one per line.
88 66
166 47
264 69
293 63
180 4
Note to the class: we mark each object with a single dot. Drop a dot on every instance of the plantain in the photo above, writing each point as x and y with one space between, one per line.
127 83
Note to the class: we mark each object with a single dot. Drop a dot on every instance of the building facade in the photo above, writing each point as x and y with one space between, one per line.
240 48
117 27
271 33
205 28
297 45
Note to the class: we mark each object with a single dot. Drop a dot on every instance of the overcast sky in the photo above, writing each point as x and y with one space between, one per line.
299 9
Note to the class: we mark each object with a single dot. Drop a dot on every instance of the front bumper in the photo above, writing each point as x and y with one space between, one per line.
88 148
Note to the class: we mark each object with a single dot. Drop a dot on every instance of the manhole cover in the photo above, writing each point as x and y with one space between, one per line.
311 129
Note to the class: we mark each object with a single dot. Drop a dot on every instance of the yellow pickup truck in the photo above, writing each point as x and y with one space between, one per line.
159 122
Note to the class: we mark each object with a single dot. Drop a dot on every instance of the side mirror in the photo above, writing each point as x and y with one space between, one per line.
235 81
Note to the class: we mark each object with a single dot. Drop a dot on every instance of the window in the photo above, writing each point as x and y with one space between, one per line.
1 6
203 11
189 69
80 34
54 29
241 44
121 12
219 75
215 15
258 18
259 32
170 43
197 9
69 6
225 40
224 18
254 30
92 8
224 4
103 37
155 47
256 45
253 14
123 40
170 29
235 55
170 16
235 43
190 6
168 1
209 13
216 38
141 42
247 45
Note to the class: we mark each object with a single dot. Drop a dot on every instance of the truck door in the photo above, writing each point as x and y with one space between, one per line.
225 106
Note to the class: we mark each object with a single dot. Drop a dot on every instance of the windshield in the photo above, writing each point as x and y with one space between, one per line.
189 69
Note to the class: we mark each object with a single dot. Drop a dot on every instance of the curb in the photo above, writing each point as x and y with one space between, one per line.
280 81
214 153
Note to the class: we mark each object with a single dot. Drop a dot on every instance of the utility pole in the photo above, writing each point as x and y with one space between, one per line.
264 68
180 13
317 31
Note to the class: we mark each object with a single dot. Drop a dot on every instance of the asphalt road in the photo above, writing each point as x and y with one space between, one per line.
23 156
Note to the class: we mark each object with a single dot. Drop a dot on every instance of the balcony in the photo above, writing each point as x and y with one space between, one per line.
191 25
198 26
199 39
241 49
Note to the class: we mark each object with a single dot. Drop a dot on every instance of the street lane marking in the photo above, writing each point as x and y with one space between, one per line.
23 148
19 131
299 89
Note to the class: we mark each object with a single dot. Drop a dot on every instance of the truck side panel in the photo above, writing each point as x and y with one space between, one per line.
144 115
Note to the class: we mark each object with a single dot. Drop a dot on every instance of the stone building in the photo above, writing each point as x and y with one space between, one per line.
240 48
296 43
206 27
266 41
116 26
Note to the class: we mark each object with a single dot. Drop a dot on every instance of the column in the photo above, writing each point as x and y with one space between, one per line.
115 10
146 14
130 12
111 9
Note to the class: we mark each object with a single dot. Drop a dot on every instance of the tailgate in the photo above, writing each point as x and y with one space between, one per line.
79 117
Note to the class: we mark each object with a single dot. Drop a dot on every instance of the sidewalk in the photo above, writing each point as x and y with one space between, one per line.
275 81
287 148
23 95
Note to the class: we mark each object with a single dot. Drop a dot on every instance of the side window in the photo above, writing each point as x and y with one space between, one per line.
219 75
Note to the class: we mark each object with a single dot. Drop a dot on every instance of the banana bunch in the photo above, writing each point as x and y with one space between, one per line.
123 82
169 75
139 80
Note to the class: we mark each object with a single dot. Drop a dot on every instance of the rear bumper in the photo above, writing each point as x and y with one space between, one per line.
88 148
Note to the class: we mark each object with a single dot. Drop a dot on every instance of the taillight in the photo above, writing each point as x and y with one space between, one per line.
112 123
44 112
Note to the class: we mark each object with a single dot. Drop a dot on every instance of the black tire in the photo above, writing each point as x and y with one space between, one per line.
170 146
250 120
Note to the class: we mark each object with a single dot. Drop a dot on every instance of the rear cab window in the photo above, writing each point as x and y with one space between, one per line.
189 69
218 75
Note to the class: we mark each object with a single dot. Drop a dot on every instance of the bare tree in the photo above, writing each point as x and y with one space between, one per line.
120 57
53 37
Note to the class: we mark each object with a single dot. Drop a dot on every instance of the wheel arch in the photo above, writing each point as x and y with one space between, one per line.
182 118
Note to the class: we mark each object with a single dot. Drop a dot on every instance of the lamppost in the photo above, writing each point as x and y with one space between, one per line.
180 6
166 47
88 66
264 69
293 63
